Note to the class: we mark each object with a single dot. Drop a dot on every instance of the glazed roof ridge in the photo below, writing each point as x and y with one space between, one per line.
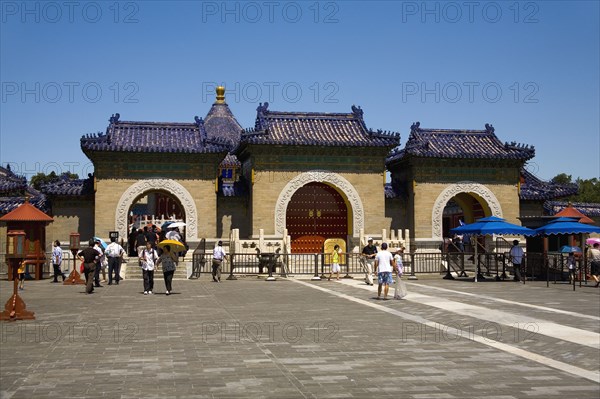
534 188
459 143
9 181
315 128
66 186
220 122
590 209
154 137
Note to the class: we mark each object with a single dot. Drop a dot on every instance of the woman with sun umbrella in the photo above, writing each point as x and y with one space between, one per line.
168 260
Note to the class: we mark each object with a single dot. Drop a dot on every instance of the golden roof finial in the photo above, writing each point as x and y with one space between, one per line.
220 95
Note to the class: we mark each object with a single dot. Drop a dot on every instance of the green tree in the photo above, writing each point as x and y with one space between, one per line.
40 179
562 178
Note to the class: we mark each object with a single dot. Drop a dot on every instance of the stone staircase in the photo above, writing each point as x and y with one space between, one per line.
133 271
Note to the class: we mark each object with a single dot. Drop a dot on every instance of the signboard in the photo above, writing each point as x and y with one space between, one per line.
328 246
113 234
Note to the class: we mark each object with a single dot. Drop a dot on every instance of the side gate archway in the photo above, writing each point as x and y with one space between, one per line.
320 176
144 186
484 193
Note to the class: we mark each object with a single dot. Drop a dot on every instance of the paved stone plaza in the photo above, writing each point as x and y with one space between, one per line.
297 338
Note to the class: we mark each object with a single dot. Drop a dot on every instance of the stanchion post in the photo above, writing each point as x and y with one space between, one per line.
316 276
231 267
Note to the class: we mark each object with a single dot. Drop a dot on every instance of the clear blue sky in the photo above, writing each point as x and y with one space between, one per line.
529 68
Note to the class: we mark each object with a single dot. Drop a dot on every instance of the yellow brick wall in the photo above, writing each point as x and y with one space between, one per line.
268 186
425 195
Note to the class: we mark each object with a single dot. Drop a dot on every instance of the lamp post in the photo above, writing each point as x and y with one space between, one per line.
15 308
74 278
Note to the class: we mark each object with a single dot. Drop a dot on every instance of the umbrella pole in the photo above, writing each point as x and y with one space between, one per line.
476 259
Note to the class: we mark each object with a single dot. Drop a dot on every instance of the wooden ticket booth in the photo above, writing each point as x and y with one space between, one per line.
33 222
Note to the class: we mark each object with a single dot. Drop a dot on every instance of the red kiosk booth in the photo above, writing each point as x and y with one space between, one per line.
30 220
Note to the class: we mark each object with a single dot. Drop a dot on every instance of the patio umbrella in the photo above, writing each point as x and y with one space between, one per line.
175 246
564 225
103 244
165 225
488 226
567 248
592 241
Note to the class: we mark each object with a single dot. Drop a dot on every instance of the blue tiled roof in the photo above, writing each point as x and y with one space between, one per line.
316 128
588 209
37 199
532 188
155 137
10 182
451 143
65 186
220 123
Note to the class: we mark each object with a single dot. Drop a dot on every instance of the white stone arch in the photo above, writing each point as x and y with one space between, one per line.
461 187
172 187
320 176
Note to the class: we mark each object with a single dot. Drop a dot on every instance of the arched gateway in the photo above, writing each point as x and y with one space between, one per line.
334 180
481 192
142 187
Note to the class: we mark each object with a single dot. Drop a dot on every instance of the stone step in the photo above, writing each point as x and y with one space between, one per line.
134 272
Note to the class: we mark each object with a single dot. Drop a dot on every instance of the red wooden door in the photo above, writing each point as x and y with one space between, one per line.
315 213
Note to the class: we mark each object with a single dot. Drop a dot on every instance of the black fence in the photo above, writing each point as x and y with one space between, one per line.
535 266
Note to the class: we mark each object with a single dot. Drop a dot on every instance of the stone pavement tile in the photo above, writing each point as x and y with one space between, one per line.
254 339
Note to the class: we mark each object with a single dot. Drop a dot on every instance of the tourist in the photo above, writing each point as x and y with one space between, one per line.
57 256
384 264
140 242
594 255
101 264
151 236
149 257
173 234
89 256
168 260
368 260
335 262
516 257
219 256
114 253
21 274
571 267
132 250
399 286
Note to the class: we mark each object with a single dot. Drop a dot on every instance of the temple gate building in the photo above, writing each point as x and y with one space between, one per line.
307 175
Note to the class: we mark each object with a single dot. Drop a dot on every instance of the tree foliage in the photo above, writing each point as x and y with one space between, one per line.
40 179
589 189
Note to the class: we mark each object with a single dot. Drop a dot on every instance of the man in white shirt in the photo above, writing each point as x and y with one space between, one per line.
57 256
114 253
384 264
516 257
219 256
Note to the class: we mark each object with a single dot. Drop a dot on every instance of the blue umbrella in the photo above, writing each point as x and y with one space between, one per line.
565 225
567 248
166 225
491 225
103 244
